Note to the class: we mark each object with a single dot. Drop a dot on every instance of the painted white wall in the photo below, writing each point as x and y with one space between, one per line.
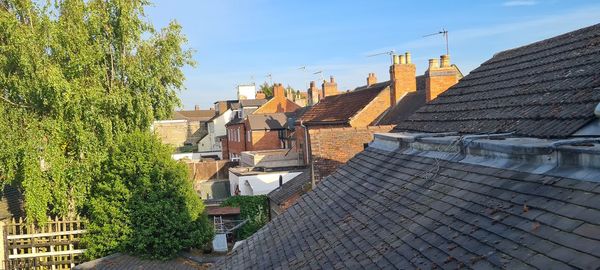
216 128
246 91
259 184
196 156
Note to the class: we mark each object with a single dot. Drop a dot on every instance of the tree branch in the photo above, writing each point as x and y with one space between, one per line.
14 104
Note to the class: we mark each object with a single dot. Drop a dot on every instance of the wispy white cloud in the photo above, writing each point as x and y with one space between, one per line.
519 3
551 24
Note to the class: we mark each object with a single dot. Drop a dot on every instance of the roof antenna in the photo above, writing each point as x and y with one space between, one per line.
320 72
390 53
270 78
443 32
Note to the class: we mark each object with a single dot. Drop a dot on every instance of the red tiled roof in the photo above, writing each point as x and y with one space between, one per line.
340 108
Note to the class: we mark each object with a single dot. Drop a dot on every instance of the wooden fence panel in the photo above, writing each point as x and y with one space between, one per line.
52 245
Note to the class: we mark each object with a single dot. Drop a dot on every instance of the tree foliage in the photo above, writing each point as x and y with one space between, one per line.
74 75
253 208
144 203
267 89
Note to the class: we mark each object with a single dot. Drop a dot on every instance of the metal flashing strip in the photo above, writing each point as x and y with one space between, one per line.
577 158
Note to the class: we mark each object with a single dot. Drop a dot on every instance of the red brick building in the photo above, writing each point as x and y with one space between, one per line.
339 125
266 128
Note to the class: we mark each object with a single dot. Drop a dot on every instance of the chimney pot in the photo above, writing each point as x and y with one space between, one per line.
402 59
331 79
434 63
312 83
408 57
445 60
197 107
396 59
371 79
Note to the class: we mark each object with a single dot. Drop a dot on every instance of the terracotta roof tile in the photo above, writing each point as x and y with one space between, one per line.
340 108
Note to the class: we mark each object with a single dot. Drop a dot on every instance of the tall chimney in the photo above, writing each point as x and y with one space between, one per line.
440 77
196 107
403 78
278 91
371 80
329 88
314 94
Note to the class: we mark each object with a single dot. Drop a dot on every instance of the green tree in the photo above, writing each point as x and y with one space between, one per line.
144 203
267 89
74 75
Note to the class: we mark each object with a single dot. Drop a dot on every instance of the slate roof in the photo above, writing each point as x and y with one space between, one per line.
289 188
194 115
270 121
340 108
410 103
252 102
379 211
546 89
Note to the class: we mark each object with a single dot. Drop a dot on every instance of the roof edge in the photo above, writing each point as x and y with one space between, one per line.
576 158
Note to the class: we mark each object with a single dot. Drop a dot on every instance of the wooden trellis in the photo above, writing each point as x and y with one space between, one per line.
53 245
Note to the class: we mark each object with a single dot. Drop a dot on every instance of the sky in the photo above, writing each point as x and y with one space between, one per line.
240 42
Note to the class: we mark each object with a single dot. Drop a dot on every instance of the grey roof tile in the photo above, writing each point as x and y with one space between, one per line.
393 217
545 89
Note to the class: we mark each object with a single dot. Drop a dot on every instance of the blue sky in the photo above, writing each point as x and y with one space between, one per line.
238 42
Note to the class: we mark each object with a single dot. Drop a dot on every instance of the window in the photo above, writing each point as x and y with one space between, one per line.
248 134
238 134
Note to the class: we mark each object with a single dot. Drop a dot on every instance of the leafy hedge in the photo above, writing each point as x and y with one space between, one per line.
253 208
144 204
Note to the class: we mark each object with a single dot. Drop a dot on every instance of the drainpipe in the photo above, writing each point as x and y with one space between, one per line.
308 155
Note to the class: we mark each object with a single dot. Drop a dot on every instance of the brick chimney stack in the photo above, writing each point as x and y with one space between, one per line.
329 88
371 80
278 91
196 107
440 76
314 94
260 95
403 77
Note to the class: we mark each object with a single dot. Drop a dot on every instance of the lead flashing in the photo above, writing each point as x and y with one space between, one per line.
574 158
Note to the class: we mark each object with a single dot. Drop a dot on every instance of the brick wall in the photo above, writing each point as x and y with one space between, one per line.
437 84
235 145
178 133
277 105
264 140
332 147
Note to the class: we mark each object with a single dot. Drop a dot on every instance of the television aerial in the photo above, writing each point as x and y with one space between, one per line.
443 32
390 53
